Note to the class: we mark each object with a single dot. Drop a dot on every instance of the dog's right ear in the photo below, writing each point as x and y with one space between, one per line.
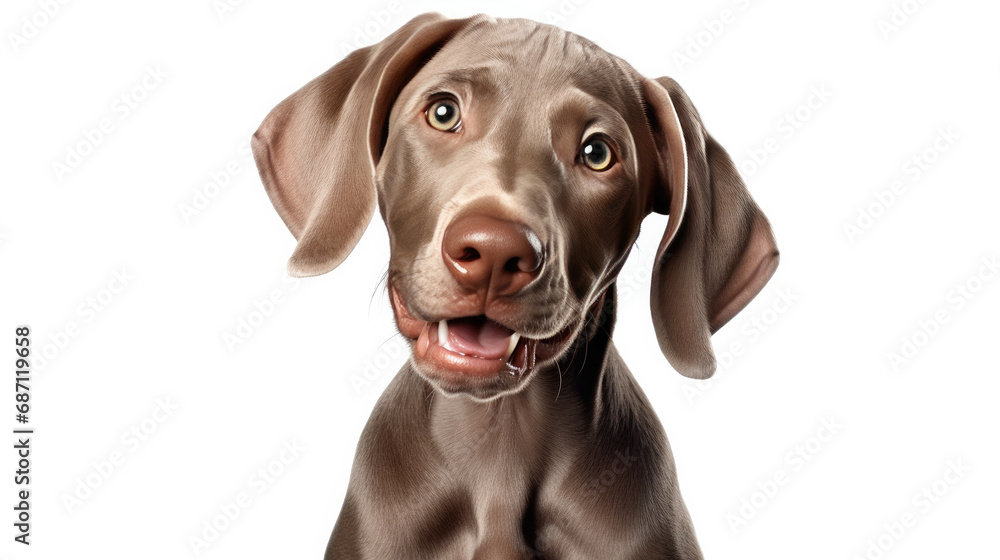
317 150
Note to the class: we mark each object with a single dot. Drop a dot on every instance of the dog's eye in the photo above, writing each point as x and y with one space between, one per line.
444 115
596 154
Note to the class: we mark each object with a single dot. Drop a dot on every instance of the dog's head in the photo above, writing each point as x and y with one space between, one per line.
513 164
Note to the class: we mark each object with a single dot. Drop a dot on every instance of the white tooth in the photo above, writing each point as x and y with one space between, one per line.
510 346
443 332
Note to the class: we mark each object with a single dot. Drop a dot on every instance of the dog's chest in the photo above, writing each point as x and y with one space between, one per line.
502 457
503 498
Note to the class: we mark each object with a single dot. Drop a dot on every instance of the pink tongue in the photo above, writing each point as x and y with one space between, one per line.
478 337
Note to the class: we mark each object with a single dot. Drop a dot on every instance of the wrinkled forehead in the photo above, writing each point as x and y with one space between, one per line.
501 57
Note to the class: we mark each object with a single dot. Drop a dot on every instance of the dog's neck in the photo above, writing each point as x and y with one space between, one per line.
563 400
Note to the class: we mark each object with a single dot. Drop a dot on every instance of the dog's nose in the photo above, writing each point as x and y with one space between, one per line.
486 253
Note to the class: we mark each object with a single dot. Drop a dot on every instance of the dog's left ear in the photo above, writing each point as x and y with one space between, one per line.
317 150
717 251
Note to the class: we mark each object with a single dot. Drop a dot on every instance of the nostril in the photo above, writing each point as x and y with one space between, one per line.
530 264
469 254
512 265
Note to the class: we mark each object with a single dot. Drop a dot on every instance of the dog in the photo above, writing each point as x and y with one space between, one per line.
513 164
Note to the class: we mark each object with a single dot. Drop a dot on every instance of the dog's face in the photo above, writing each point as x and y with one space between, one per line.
513 164
498 187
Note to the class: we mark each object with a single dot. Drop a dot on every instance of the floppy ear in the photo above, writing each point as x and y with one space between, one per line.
717 251
317 150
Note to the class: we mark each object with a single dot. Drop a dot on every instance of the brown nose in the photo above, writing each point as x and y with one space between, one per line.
484 253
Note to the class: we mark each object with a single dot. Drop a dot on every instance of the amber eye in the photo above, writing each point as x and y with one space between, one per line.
444 115
597 154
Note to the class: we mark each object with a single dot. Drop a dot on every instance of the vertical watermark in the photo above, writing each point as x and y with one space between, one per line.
22 433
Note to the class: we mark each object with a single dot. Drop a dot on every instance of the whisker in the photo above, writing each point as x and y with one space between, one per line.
383 283
559 390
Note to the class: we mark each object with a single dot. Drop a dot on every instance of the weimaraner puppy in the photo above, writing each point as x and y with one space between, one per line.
513 164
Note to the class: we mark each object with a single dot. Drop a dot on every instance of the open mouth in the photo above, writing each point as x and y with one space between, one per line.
473 346
478 337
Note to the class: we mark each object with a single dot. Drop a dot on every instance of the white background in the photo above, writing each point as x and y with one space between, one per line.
194 276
